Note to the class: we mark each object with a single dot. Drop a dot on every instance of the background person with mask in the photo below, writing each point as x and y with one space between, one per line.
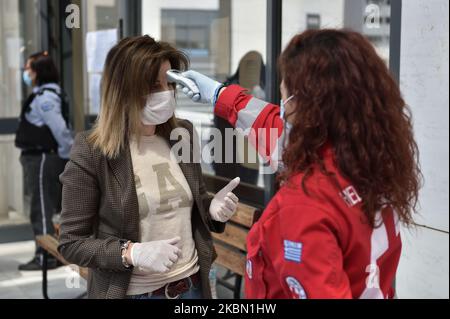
136 217
350 170
45 141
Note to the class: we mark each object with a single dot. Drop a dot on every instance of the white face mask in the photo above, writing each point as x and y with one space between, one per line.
159 108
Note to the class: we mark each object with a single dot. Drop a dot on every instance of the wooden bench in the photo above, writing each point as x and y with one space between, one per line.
50 246
231 246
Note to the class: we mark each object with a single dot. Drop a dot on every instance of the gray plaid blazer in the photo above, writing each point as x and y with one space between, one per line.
100 209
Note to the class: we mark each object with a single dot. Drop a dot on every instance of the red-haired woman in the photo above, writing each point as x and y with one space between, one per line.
350 172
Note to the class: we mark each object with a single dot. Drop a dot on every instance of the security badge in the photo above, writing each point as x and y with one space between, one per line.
296 288
350 196
293 251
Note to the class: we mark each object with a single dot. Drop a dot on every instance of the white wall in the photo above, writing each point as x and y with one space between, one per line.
424 80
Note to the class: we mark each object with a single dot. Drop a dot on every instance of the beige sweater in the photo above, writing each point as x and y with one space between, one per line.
165 205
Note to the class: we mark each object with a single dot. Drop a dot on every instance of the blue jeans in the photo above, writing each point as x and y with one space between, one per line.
195 292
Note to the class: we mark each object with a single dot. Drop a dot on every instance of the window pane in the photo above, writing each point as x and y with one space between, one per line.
220 38
369 17
101 14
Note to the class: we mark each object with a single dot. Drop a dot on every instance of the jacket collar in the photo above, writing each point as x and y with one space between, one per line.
53 86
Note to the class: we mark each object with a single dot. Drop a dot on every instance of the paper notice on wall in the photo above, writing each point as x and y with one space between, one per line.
98 44
94 93
14 47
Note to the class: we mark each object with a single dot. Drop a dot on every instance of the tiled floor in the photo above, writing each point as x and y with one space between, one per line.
62 282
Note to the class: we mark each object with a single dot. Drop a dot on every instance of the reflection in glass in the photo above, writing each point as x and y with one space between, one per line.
227 43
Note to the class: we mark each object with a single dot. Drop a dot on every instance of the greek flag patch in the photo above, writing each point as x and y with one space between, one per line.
293 251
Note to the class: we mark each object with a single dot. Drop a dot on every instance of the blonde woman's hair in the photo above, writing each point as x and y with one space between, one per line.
131 71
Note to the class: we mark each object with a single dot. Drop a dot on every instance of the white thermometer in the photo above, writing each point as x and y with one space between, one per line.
175 76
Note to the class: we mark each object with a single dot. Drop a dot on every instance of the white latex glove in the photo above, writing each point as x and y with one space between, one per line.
155 256
224 204
208 88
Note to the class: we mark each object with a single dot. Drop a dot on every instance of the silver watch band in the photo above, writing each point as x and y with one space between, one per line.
123 248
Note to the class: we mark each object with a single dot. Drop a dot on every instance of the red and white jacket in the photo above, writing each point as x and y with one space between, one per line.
311 246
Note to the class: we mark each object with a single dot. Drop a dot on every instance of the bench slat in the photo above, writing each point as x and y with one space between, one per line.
234 236
229 259
50 244
244 215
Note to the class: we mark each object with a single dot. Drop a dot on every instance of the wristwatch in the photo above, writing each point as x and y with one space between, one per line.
123 249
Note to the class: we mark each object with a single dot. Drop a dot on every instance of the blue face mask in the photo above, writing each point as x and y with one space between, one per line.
27 79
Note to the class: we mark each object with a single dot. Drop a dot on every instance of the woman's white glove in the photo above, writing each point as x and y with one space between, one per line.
224 204
155 256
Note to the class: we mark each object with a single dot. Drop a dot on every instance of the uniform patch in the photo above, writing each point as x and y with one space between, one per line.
293 251
249 268
47 107
296 289
350 196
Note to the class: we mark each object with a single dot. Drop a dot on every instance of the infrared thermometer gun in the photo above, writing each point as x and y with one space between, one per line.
175 76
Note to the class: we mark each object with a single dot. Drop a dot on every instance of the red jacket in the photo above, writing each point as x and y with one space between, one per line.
312 246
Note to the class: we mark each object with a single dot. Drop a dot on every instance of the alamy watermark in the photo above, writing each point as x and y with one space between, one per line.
72 277
73 18
211 145
373 16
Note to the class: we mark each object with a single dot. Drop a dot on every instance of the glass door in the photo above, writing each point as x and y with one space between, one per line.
104 23
20 36
227 43
371 18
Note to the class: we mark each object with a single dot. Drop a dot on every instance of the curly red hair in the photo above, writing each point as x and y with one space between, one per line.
345 96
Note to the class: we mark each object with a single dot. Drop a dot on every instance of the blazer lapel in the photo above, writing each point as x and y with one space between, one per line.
119 167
